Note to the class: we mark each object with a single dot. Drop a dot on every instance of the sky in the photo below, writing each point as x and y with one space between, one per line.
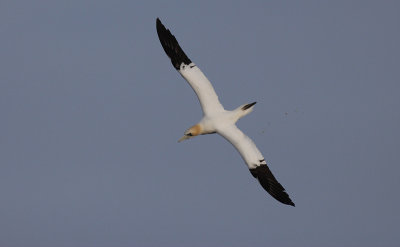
91 110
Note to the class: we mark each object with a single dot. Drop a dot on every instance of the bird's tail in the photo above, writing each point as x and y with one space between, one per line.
243 110
248 106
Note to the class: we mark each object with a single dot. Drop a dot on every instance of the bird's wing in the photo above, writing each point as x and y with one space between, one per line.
255 161
193 75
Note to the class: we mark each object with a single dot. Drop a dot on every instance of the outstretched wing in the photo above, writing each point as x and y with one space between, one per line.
256 162
193 75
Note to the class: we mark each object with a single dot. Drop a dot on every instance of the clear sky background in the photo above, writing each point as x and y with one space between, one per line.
91 110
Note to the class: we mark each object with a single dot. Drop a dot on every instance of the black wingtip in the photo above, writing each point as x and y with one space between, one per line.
271 185
158 22
171 46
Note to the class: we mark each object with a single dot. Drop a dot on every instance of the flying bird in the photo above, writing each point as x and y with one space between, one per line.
218 120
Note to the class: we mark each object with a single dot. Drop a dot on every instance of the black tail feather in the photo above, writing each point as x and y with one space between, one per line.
248 106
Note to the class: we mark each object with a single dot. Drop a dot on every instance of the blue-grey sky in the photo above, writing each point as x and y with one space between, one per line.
91 110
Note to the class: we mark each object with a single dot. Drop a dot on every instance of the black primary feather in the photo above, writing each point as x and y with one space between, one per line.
171 46
270 184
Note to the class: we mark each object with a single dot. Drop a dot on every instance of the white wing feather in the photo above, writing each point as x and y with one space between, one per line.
244 145
202 87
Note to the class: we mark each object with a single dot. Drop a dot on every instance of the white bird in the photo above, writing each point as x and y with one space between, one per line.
218 120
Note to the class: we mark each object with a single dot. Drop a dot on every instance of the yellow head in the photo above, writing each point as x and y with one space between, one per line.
191 132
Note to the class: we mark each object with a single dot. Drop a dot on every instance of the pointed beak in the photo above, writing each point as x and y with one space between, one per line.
184 138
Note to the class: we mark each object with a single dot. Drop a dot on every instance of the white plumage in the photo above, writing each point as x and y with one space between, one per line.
218 120
202 87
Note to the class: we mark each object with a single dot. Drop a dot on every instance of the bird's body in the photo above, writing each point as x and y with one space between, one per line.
218 120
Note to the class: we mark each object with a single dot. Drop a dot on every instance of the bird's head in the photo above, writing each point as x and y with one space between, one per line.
191 132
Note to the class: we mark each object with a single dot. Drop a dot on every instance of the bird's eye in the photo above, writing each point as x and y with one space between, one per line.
189 134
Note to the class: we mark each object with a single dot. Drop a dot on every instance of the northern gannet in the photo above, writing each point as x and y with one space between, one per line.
218 120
